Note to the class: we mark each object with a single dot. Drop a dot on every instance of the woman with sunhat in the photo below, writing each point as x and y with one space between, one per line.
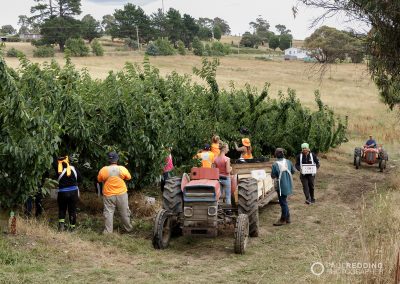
68 192
245 150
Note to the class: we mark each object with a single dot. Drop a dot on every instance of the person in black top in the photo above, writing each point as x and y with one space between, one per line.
36 199
68 192
307 180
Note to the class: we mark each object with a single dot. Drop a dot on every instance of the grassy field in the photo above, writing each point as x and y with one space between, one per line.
355 218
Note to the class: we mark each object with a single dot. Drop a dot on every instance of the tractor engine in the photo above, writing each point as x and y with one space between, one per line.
200 197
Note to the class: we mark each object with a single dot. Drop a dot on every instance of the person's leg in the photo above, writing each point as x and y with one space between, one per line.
306 190
62 210
285 208
282 220
109 208
72 201
28 207
124 212
38 203
226 185
311 180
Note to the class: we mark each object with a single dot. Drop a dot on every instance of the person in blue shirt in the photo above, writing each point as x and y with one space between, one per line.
282 172
371 143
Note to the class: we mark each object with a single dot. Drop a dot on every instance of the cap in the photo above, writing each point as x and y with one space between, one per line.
113 157
305 146
246 142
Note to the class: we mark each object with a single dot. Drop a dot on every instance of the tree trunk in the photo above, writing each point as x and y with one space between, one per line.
61 45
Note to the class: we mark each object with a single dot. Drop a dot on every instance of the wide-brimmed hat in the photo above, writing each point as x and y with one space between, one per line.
246 142
113 157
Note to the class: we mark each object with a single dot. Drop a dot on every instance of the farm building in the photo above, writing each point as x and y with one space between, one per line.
30 36
295 53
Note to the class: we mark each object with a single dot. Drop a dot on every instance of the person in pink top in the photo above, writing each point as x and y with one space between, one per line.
168 167
223 163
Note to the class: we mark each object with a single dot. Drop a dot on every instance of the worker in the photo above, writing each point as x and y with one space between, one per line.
371 143
115 193
223 163
215 145
245 150
282 173
206 156
306 157
68 191
168 167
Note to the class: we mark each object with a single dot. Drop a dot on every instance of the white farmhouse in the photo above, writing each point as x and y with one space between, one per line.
295 53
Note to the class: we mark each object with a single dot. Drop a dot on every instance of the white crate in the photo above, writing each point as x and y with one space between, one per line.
309 169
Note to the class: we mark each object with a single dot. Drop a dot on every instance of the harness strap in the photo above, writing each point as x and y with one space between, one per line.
65 170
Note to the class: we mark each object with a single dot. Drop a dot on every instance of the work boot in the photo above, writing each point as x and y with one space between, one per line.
288 220
280 222
308 202
61 226
312 200
71 228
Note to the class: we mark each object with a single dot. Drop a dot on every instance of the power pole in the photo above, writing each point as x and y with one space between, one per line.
239 44
137 38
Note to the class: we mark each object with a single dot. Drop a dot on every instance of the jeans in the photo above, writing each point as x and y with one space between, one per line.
226 187
37 199
284 206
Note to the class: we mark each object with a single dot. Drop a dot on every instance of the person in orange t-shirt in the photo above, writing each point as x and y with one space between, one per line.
206 156
115 193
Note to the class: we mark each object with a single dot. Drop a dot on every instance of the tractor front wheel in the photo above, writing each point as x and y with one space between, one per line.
382 165
241 234
357 162
162 229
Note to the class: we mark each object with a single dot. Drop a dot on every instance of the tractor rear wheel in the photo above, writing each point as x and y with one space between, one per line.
172 195
248 203
241 234
162 229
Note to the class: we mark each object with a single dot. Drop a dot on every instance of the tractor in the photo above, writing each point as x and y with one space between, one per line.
193 204
370 155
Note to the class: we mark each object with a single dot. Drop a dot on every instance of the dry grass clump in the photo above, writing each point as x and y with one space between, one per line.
142 206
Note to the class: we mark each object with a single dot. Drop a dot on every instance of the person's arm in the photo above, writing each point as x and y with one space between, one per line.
316 160
78 175
298 163
101 177
240 149
292 169
228 166
274 172
124 173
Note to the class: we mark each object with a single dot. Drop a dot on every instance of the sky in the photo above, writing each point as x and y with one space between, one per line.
238 13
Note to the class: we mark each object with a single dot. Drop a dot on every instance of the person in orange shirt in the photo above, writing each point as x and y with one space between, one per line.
215 145
245 150
206 156
115 193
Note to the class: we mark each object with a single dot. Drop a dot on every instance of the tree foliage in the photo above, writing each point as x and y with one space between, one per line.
126 21
51 110
7 30
58 30
383 40
329 44
91 28
250 40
